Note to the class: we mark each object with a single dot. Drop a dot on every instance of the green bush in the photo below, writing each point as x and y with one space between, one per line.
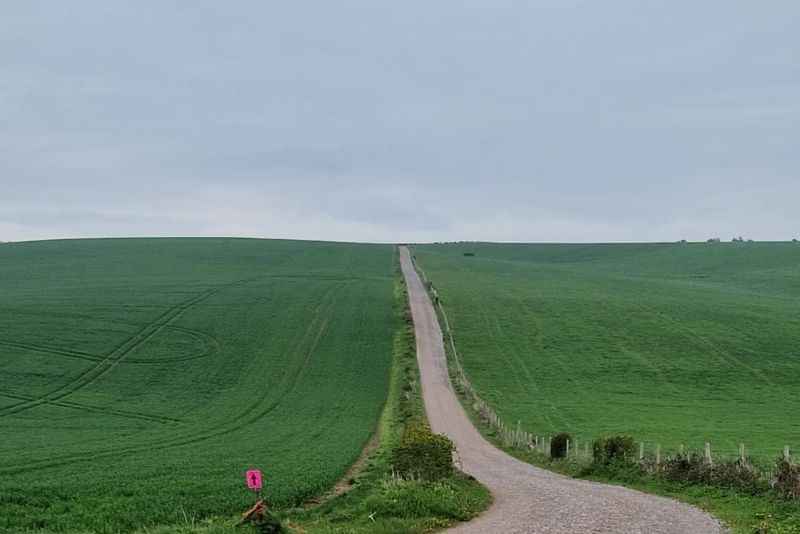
423 454
738 475
613 449
692 468
686 468
455 498
787 479
558 445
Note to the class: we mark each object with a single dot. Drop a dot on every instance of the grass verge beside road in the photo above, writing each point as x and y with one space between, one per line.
379 501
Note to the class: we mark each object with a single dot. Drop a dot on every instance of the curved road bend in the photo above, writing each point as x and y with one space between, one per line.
528 499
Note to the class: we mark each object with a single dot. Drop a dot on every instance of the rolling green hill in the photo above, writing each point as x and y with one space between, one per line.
140 378
672 343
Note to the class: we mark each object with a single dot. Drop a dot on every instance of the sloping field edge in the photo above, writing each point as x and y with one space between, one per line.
741 512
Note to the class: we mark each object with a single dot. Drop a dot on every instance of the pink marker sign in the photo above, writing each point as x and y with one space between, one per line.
254 479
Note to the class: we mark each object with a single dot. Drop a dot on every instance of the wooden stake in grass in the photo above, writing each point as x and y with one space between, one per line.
786 455
708 458
741 452
641 451
658 454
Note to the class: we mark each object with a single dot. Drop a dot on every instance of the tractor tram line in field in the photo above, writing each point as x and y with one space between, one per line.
494 329
714 348
110 361
303 350
100 409
106 363
211 343
47 349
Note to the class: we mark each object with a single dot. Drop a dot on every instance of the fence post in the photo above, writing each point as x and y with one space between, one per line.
576 448
641 451
682 447
586 446
741 452
567 449
786 455
658 454
709 461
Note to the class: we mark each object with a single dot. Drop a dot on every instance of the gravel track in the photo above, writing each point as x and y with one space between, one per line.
528 499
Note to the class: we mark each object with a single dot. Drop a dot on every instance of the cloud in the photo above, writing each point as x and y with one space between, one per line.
553 121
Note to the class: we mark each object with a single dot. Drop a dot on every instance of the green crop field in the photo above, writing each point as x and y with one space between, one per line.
671 343
140 378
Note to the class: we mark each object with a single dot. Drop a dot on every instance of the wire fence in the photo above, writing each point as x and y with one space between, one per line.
514 436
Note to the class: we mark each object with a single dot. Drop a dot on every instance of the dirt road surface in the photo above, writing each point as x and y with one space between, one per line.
529 499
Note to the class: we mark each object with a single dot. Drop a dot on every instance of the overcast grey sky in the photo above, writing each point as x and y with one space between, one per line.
397 121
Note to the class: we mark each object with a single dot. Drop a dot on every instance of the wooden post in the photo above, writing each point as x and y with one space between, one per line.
682 447
786 455
567 449
549 445
709 461
641 451
576 448
586 446
658 454
741 452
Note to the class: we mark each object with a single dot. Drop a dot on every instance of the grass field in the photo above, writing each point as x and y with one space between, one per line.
673 343
139 378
